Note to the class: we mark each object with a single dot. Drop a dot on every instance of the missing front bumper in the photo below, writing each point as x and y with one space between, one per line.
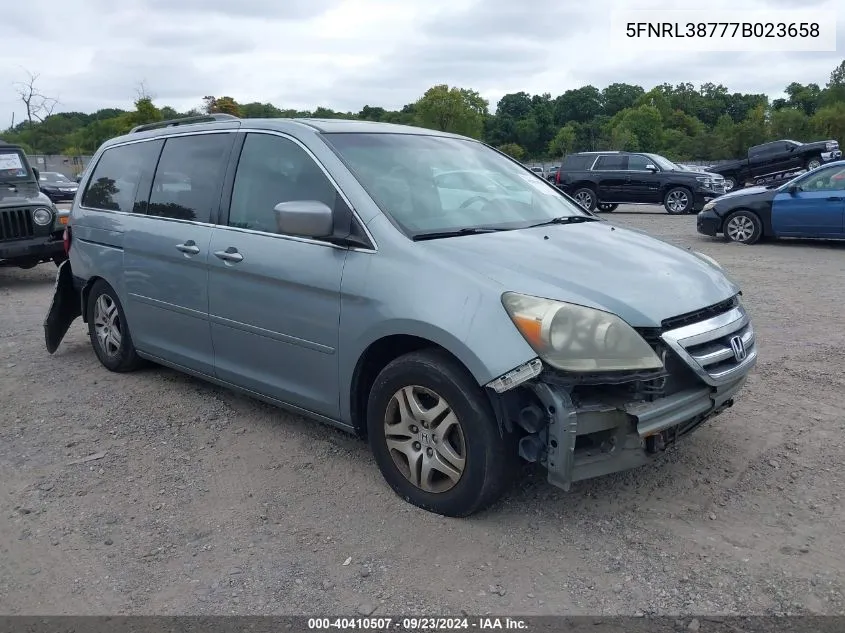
596 439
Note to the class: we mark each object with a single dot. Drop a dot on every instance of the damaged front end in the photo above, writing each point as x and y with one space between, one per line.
580 426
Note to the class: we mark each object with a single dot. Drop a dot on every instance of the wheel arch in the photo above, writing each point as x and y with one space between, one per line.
375 357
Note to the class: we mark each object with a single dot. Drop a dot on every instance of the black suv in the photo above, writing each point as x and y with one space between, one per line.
603 180
31 226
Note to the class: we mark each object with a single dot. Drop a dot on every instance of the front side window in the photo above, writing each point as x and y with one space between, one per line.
428 184
638 162
273 169
187 181
830 179
114 184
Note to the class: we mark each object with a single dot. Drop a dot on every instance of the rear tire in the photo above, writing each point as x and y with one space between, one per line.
607 207
813 162
108 330
586 197
411 400
743 227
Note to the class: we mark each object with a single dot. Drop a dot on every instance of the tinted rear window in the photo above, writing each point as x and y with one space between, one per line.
577 162
114 183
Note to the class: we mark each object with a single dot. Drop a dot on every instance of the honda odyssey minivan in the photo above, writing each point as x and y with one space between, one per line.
319 265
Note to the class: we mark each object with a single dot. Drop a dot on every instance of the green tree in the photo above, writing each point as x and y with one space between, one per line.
564 141
645 125
829 122
790 123
513 150
455 110
619 96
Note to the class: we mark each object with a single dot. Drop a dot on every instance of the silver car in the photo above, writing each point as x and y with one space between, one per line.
317 265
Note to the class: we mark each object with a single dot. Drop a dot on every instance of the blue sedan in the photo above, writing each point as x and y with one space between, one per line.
811 205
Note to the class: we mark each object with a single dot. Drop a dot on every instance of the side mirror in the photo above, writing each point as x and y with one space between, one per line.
36 172
304 218
794 189
651 167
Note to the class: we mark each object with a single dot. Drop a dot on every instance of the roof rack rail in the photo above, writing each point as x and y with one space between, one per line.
187 120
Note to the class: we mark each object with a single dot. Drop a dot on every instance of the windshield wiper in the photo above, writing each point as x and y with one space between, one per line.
435 235
567 219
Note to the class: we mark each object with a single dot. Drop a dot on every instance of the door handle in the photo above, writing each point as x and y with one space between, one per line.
231 254
190 247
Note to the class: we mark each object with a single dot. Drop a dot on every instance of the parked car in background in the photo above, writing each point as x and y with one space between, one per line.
603 180
30 225
313 264
551 173
57 186
775 158
809 206
538 169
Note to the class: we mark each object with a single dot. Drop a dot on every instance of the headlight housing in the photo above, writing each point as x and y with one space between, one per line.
705 181
575 338
42 216
708 206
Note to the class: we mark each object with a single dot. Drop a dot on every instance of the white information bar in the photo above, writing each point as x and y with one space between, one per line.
809 28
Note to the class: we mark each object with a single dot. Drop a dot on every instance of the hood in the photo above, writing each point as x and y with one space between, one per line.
22 193
597 264
749 192
55 184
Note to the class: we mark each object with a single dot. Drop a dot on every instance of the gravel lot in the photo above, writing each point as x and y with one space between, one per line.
206 502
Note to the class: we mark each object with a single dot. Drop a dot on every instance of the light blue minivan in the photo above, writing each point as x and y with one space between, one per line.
339 269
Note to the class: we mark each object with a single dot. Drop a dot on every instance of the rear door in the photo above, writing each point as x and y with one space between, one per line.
817 209
611 177
166 251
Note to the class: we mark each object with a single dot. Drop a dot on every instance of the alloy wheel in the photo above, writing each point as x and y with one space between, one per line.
425 439
585 199
107 325
740 228
677 201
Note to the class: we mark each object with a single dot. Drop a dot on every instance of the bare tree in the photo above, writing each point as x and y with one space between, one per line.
142 92
38 106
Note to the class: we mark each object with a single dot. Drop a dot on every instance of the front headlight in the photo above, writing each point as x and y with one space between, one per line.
575 338
42 216
708 206
705 181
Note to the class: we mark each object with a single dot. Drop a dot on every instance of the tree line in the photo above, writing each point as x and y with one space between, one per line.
683 122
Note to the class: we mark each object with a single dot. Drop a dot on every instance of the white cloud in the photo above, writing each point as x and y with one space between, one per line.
347 53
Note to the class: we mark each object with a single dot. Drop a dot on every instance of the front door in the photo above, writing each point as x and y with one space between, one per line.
645 185
166 250
274 300
815 209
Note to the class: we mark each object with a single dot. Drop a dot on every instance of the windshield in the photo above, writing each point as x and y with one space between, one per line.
54 176
13 166
436 184
664 163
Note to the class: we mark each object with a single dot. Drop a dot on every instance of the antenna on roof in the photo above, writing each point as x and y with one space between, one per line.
188 120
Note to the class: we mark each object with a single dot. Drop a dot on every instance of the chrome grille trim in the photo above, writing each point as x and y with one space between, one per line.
705 346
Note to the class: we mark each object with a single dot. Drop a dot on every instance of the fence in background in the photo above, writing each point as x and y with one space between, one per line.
68 165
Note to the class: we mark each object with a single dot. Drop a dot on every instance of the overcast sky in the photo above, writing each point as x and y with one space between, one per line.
345 54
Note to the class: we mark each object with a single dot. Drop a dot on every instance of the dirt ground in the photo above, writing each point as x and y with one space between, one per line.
206 502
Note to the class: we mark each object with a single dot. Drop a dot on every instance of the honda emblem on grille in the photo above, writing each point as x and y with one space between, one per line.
738 348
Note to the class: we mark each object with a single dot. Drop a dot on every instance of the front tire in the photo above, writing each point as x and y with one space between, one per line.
586 197
678 201
731 183
108 330
743 227
435 437
813 162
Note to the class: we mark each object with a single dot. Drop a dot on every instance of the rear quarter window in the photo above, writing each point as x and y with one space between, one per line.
114 183
577 162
